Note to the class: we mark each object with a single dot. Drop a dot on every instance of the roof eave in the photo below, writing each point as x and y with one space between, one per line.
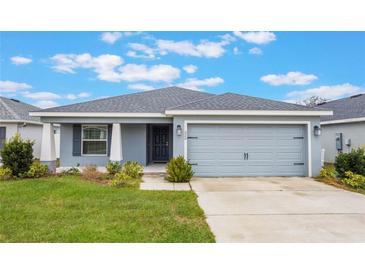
251 112
96 114
343 121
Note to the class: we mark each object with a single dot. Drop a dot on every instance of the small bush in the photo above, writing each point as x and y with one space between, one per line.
5 173
121 179
17 155
91 173
353 161
328 171
113 167
37 170
74 171
179 170
133 169
354 180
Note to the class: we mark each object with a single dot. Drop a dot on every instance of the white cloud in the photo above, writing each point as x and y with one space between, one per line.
147 52
41 95
156 73
9 86
190 68
255 51
291 78
256 37
111 37
114 36
108 68
46 104
196 84
327 92
104 65
140 87
72 96
84 94
19 60
203 49
236 51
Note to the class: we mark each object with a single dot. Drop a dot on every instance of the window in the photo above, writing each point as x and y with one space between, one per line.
2 136
94 140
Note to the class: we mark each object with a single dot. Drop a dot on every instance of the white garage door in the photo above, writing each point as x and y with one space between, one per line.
247 150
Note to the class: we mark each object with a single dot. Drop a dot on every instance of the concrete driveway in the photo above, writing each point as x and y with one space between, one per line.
277 209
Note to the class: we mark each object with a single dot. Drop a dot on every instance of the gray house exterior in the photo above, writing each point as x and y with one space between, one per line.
221 135
14 118
347 124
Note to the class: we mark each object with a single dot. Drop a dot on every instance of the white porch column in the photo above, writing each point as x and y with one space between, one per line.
116 153
48 150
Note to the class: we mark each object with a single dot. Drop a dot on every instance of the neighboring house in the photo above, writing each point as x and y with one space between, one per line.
221 135
14 118
347 126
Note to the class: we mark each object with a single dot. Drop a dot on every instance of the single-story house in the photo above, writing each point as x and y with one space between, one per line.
14 118
346 128
220 135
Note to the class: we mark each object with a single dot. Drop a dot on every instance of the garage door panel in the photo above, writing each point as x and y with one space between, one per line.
218 150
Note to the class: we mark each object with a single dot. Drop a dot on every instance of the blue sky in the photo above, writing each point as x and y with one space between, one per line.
57 68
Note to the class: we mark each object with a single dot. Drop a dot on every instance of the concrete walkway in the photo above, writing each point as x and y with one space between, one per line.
277 209
157 182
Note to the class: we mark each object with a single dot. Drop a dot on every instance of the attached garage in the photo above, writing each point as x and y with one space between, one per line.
247 149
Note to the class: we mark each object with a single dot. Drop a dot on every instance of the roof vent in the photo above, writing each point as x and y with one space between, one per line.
15 100
356 95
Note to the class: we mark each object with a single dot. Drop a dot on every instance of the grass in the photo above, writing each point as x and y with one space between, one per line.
72 209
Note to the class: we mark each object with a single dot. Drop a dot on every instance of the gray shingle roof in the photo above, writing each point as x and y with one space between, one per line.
233 101
11 109
154 101
176 98
346 108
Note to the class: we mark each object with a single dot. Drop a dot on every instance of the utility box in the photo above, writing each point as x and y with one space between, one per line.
339 141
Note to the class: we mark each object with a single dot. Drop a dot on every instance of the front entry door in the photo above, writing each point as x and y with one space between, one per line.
160 143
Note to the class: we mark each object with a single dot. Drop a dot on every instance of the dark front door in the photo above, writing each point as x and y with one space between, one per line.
160 143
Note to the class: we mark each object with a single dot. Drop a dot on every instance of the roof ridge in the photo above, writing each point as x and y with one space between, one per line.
345 98
202 99
9 108
130 94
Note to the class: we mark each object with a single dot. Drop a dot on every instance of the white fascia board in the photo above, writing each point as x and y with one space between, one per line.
96 114
251 112
22 121
343 121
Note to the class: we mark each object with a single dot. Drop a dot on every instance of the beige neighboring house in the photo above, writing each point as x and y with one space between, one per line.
14 118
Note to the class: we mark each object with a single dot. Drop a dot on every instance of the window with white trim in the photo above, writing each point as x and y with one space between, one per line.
94 140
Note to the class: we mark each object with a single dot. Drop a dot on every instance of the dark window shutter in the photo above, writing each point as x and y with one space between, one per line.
76 140
2 136
110 127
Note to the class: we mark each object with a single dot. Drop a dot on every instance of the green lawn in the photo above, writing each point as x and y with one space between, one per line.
70 209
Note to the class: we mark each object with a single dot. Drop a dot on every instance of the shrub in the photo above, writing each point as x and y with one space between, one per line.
179 170
5 173
37 170
113 167
328 171
71 171
17 155
121 179
133 169
353 161
91 173
354 180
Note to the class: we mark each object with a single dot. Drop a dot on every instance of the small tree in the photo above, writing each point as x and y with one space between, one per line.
312 101
17 154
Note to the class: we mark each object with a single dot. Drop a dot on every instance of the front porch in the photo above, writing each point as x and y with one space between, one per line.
150 144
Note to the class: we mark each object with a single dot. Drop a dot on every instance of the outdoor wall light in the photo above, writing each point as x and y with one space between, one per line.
178 130
317 131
